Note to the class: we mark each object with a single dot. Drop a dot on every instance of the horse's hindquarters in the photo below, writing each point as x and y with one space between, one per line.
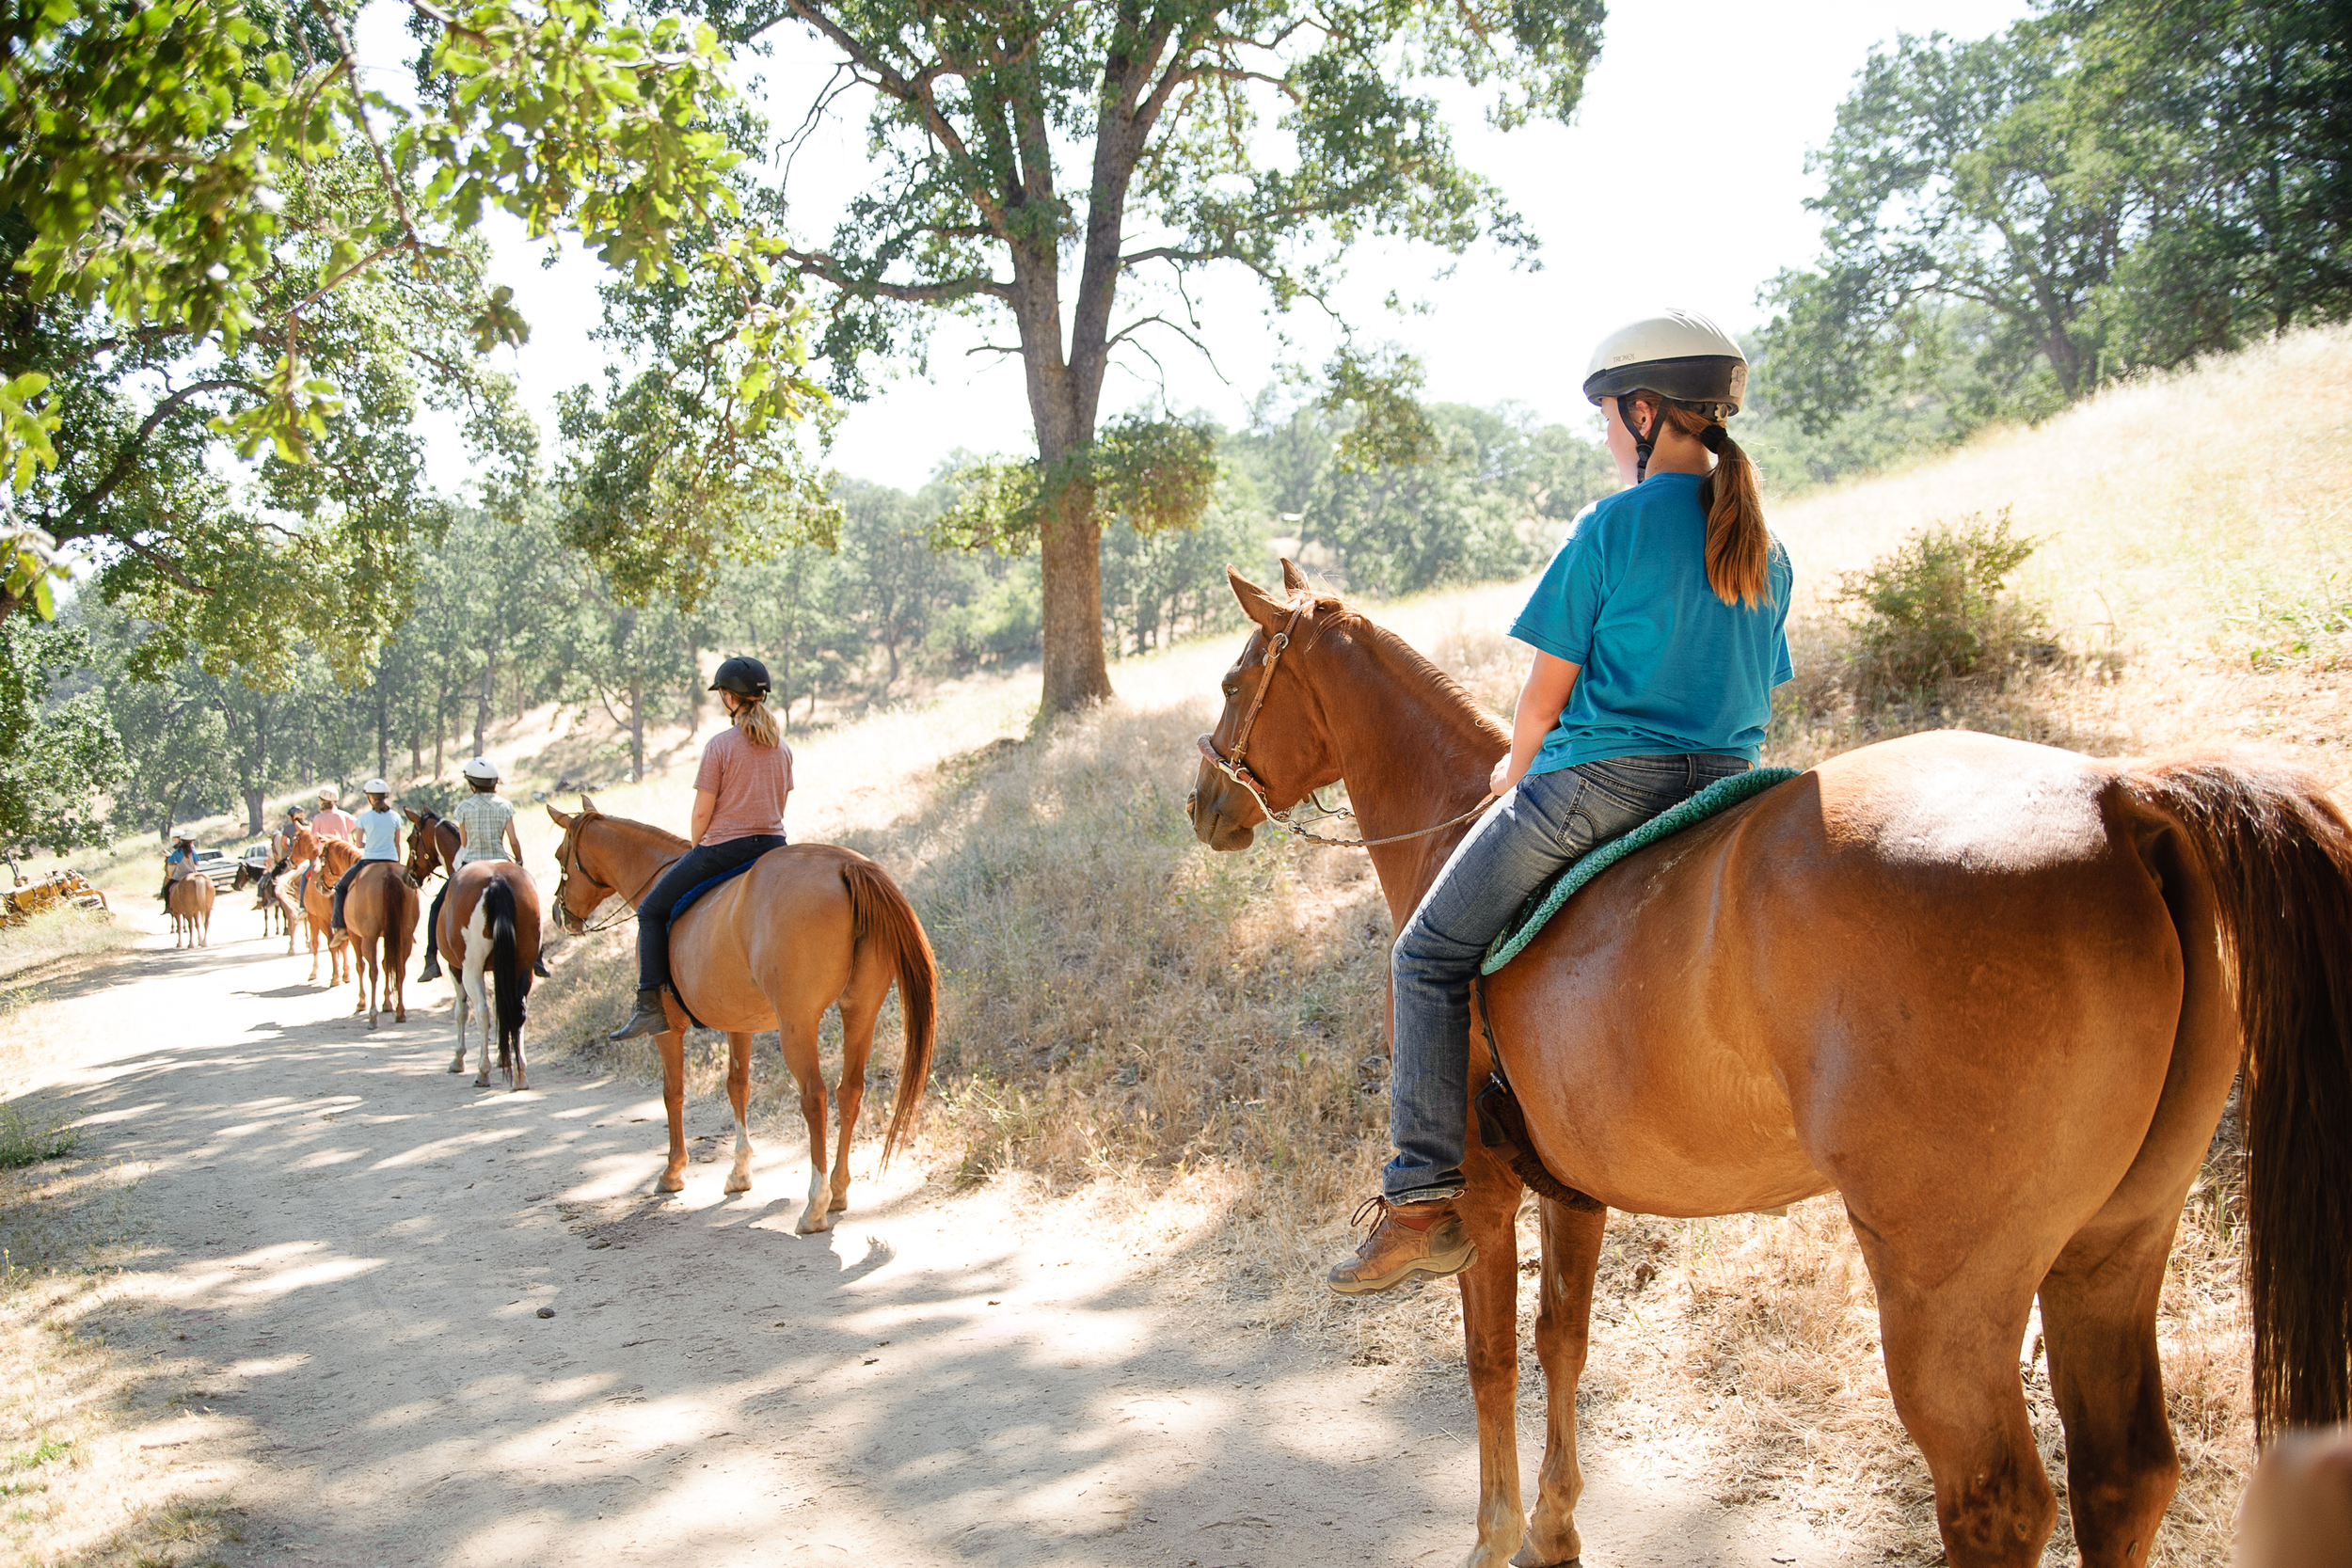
1931 973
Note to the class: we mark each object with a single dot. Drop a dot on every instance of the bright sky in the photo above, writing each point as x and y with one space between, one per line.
1681 182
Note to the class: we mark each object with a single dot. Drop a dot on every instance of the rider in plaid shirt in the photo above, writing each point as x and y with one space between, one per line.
487 823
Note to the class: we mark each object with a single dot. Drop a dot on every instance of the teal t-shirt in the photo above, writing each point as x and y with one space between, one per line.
1667 667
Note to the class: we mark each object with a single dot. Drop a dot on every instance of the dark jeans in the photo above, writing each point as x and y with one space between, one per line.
697 866
1546 822
342 885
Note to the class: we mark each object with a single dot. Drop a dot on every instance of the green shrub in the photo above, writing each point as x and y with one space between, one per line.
29 1134
1937 609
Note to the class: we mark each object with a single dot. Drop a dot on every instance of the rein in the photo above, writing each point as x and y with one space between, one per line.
1237 771
631 901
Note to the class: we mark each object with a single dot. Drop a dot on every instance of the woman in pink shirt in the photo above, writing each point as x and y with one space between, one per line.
738 816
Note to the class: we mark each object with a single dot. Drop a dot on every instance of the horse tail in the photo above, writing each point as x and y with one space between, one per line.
507 973
2278 856
878 910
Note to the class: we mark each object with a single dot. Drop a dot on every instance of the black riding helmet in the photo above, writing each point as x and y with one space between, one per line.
744 676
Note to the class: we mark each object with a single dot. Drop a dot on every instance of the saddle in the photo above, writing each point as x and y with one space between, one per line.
695 892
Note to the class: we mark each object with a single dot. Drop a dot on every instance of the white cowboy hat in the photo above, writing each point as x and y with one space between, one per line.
325 794
376 786
483 767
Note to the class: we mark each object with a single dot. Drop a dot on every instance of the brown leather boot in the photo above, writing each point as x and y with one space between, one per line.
1408 1241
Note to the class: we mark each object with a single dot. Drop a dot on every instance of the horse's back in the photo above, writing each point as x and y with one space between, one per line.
771 938
1862 977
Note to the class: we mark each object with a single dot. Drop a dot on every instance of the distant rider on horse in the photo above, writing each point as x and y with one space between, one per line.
178 864
485 829
739 793
379 839
1657 631
330 821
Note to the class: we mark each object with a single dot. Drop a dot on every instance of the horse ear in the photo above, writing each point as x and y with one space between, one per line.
1293 579
1256 603
587 806
410 813
560 821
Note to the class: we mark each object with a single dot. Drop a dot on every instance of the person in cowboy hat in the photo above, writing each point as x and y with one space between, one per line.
485 829
739 792
1659 636
379 840
178 862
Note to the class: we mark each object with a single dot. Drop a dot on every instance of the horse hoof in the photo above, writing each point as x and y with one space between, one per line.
483 1082
737 1184
839 1206
812 1222
457 1066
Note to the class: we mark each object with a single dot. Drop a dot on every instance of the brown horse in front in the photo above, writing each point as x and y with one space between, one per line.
191 907
1992 995
318 908
380 915
809 924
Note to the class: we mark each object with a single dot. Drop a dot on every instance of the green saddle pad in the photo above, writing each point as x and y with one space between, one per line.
1546 901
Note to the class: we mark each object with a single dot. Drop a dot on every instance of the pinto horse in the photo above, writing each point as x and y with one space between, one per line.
380 914
318 908
809 924
490 925
1992 995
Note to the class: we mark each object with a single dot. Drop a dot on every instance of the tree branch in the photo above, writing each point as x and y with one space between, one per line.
816 264
126 459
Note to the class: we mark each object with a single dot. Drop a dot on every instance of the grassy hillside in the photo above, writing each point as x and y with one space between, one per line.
1194 1040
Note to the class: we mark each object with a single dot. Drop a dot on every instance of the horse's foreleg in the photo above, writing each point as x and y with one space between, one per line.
1490 1308
671 1043
738 1096
1563 1332
799 1037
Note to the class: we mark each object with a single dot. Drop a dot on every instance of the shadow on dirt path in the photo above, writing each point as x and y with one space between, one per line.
354 1248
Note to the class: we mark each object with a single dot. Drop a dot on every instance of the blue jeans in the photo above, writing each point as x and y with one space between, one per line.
1546 822
693 869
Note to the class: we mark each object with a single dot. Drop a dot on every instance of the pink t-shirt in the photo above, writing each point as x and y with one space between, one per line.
751 782
334 823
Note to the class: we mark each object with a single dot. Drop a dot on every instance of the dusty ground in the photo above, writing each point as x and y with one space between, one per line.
339 1252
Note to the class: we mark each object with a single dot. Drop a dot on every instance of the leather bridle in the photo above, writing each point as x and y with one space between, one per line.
1236 771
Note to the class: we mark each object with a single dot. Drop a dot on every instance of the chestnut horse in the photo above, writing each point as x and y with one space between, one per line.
380 915
318 907
191 907
809 924
490 925
293 852
1992 995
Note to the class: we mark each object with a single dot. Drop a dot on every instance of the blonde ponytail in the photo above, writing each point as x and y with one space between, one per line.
1738 549
758 724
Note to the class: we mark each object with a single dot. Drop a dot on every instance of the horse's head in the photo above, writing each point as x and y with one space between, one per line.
1271 747
578 893
424 847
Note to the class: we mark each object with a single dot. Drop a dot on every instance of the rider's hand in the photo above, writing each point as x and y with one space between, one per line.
1499 781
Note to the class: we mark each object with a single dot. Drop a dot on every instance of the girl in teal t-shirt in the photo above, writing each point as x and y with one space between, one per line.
1658 632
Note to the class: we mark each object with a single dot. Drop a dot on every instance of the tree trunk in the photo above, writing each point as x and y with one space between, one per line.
636 731
383 731
255 803
482 703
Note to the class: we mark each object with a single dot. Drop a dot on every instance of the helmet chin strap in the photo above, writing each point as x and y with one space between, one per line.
1642 444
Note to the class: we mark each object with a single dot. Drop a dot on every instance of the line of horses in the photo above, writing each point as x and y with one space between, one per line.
1992 995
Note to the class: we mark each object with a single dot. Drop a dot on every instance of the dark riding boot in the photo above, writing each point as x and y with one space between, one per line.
539 965
1408 1241
648 1019
432 970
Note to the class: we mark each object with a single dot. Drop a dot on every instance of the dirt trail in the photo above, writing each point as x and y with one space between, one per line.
353 1246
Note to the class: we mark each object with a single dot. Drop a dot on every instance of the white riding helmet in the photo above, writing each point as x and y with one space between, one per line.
483 767
376 786
1680 355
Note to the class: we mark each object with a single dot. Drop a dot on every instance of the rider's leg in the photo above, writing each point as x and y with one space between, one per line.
433 933
1545 823
697 866
342 885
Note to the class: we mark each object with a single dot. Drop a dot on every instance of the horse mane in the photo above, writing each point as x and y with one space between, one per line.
1445 691
673 841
